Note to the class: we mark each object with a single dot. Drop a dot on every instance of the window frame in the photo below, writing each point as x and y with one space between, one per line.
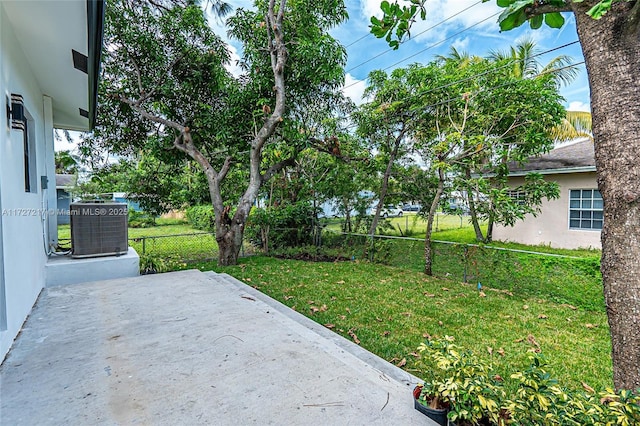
585 213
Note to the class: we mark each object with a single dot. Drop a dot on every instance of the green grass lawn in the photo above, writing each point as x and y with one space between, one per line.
390 310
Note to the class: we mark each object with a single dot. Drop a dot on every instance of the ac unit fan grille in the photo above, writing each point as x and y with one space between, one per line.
98 229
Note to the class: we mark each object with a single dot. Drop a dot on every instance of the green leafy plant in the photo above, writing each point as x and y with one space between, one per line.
457 381
140 219
201 217
460 382
154 264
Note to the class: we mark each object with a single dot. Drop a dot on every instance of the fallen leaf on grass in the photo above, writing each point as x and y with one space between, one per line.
406 314
429 294
566 305
313 309
518 341
532 340
588 388
354 337
590 325
343 317
525 307
247 279
310 302
426 335
288 297
323 308
330 326
401 289
402 363
482 294
444 289
379 319
490 350
501 351
340 282
415 355
333 298
440 323
497 377
542 316
348 310
386 333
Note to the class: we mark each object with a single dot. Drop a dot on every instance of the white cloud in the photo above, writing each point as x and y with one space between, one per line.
461 44
354 89
233 66
579 106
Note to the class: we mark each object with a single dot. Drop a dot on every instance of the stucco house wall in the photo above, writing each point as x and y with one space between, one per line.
36 42
551 226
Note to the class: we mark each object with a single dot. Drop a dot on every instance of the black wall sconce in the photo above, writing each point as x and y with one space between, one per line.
15 112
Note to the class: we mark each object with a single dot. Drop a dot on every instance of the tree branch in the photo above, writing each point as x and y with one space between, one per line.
541 9
275 168
146 114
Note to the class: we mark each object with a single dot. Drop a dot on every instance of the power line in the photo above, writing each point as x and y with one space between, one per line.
508 64
504 84
490 88
420 33
361 38
429 47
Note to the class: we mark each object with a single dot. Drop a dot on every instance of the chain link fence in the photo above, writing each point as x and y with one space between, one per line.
573 280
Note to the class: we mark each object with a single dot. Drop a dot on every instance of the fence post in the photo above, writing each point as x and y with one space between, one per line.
465 257
144 240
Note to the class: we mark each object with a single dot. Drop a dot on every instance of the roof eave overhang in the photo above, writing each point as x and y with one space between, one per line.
95 30
566 170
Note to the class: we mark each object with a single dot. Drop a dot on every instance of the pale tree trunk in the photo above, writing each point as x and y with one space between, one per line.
385 181
472 207
428 255
611 49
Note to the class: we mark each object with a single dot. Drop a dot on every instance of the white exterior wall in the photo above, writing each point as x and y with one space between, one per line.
551 227
22 234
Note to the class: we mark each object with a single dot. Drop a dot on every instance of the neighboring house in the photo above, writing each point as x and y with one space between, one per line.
49 67
64 184
121 197
575 219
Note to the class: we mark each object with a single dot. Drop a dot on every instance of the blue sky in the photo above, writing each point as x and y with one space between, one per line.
431 38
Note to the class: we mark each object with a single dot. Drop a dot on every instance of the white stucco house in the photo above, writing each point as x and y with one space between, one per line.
575 219
49 69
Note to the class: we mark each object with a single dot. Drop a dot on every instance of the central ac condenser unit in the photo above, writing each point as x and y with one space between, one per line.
98 229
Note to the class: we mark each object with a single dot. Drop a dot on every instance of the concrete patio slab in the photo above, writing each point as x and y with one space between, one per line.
187 348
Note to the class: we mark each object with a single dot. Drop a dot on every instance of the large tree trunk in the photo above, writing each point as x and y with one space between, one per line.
611 49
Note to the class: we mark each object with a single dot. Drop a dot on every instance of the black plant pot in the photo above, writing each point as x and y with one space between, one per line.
438 415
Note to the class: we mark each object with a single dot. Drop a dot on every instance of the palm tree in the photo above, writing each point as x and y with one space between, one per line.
577 124
525 60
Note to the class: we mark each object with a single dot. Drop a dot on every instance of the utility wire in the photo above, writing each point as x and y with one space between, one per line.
428 47
420 33
352 125
504 84
361 38
506 65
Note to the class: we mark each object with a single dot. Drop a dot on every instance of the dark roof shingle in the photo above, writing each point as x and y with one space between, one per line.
579 154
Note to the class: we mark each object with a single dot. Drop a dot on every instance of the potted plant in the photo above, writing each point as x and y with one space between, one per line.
459 385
